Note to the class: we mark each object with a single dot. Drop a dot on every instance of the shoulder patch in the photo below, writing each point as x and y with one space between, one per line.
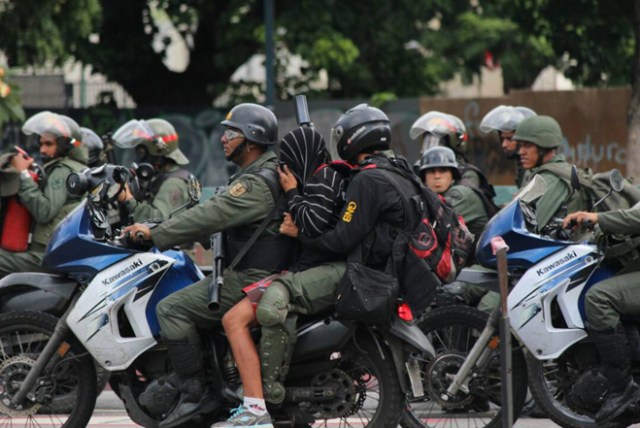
57 183
238 189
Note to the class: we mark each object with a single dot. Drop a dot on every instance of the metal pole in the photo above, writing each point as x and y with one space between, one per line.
269 53
500 249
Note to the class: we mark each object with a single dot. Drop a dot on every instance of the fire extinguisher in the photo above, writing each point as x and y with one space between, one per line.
17 220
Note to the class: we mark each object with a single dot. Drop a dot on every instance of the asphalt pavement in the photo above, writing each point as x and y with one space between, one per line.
110 413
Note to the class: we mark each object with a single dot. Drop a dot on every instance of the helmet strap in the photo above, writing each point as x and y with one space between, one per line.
541 154
242 147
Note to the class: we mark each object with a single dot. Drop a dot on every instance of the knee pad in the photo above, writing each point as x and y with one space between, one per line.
274 305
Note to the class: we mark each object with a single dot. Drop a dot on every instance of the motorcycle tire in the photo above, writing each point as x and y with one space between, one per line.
24 335
376 400
453 330
549 380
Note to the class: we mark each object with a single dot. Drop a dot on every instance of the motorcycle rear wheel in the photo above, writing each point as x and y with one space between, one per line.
23 336
372 388
453 331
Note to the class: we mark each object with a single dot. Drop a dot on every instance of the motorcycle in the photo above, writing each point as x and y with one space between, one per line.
549 275
339 370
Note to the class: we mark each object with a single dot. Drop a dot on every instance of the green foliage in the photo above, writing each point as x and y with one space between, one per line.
403 47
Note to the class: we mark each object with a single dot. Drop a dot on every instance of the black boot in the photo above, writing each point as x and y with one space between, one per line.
614 353
195 398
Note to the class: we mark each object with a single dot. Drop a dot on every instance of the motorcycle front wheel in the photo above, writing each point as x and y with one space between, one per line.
453 330
23 336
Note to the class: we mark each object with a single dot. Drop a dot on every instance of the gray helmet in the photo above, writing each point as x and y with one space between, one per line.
158 136
65 130
543 131
505 118
360 130
94 144
257 123
440 129
439 157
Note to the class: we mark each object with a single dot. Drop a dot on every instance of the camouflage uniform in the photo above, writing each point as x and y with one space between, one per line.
48 203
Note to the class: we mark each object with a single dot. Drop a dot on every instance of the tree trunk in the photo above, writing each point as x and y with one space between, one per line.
633 117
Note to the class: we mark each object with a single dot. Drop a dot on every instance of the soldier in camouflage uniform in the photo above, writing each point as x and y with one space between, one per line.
539 138
504 120
161 170
439 171
251 196
48 202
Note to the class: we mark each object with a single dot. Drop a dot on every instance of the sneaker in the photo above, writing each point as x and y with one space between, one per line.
243 417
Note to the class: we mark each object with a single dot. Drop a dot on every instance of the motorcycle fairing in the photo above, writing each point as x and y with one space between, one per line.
559 278
126 286
32 291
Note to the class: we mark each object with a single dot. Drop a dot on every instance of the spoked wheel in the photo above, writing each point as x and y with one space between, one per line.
369 390
23 336
551 383
453 330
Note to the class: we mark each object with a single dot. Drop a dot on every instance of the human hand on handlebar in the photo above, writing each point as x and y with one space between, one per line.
580 218
138 232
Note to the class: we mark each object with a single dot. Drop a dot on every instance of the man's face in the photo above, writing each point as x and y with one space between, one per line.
48 146
439 179
509 145
529 155
231 138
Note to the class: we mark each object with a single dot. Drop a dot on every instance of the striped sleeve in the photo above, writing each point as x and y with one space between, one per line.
317 209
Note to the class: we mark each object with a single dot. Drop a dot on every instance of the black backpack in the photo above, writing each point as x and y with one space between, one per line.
435 249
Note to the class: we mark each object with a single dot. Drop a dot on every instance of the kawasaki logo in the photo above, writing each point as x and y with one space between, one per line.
557 263
133 266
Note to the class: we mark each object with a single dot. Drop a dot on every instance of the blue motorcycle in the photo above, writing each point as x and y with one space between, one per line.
100 310
549 275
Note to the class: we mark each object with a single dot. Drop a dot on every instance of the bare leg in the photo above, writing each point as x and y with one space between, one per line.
237 322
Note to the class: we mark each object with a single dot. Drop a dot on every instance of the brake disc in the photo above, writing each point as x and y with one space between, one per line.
13 371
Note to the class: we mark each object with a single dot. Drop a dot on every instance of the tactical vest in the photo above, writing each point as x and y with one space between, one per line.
42 231
272 251
159 179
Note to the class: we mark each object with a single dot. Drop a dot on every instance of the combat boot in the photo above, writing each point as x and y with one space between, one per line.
195 397
622 389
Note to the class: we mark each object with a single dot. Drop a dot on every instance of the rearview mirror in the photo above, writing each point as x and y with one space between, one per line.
617 180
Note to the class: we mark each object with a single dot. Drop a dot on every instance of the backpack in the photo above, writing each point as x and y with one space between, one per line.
435 249
596 186
485 190
623 249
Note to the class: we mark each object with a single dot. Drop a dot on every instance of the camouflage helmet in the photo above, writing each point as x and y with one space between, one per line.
440 129
439 157
543 131
258 124
158 136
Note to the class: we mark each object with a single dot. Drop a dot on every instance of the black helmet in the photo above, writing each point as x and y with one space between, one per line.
94 144
258 124
439 157
361 129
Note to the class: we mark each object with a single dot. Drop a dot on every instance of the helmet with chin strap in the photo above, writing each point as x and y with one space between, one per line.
439 157
440 129
362 129
258 124
543 131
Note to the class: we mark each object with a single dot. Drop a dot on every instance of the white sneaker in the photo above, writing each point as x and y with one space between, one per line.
243 417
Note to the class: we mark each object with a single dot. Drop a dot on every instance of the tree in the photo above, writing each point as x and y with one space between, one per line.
119 38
